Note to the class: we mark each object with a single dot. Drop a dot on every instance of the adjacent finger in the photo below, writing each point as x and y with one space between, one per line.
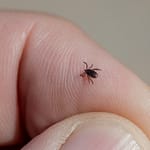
14 30
91 131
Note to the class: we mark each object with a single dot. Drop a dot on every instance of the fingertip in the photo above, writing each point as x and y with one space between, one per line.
50 76
91 131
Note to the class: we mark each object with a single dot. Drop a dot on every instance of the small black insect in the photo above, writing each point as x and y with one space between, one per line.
90 72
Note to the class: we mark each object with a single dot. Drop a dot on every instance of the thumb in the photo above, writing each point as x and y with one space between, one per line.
91 131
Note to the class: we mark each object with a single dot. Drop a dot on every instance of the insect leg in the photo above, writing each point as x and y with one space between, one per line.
85 64
90 80
97 69
91 66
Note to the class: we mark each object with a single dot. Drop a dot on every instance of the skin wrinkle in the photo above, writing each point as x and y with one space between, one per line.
69 83
68 134
22 104
35 26
57 84
15 46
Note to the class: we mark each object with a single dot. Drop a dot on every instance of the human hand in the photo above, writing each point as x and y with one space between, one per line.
41 58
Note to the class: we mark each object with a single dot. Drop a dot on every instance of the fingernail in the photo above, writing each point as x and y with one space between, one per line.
100 136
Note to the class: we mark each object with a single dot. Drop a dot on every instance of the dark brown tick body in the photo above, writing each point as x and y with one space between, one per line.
90 72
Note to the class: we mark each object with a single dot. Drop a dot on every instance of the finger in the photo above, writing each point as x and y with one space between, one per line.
52 89
14 31
49 37
91 131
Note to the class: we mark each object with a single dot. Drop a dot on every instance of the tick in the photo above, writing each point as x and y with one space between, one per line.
90 72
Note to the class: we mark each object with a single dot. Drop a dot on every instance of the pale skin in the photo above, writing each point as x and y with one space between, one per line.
41 58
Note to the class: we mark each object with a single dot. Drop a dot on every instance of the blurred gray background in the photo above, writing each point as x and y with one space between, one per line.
120 26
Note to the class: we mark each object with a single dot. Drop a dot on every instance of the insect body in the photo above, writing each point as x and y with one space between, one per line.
90 72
